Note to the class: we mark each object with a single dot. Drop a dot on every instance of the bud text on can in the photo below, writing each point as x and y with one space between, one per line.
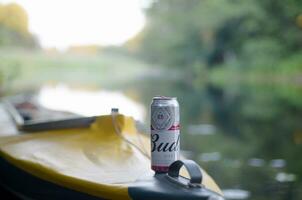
165 134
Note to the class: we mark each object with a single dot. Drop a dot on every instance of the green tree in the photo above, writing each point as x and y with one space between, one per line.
14 27
217 32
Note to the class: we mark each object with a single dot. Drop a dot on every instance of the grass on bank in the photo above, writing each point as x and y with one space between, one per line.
21 69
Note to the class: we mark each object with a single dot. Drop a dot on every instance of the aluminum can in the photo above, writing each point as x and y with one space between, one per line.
165 133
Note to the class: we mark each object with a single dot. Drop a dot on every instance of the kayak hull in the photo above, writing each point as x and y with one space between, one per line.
27 186
97 162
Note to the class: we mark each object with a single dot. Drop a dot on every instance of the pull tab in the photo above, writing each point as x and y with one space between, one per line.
193 170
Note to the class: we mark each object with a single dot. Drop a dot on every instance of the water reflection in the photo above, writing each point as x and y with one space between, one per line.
247 136
89 103
256 162
278 163
207 157
285 177
201 129
236 194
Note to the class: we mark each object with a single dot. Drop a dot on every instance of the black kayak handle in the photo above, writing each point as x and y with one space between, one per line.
192 168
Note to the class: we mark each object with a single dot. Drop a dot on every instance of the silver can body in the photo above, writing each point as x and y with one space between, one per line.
165 133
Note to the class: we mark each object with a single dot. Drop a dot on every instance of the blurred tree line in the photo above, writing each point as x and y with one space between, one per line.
196 34
14 33
14 27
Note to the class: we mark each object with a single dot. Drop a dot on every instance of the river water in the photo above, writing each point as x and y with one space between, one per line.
247 136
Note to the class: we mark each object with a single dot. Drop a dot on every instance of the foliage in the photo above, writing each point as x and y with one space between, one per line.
244 33
22 70
14 27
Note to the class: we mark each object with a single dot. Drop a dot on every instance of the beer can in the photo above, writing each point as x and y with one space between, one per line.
165 134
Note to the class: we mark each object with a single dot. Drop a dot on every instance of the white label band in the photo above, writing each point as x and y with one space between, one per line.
164 147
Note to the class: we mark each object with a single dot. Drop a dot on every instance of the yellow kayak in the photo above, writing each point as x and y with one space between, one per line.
96 162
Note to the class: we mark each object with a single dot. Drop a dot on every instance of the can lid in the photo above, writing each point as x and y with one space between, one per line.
114 110
164 98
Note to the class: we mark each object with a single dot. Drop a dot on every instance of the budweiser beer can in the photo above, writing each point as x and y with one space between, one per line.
165 138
